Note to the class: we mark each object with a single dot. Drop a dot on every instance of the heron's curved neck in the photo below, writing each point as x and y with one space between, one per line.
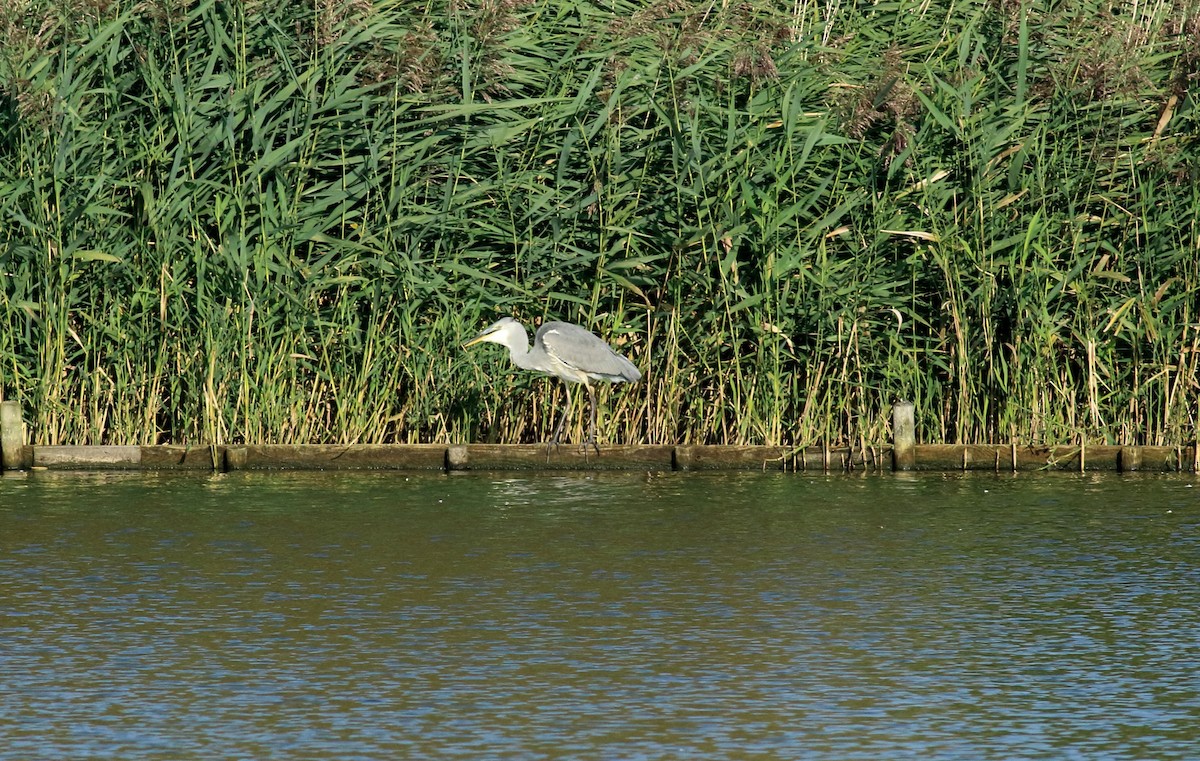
520 354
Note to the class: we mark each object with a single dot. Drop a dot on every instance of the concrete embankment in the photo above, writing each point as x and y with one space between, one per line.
484 457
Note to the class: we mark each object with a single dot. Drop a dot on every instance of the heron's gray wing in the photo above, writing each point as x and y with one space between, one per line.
582 350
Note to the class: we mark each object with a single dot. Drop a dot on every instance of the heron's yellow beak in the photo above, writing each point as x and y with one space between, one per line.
478 339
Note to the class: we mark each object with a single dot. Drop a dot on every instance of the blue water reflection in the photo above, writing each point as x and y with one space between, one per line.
607 616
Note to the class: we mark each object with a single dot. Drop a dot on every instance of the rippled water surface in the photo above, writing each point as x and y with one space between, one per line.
615 616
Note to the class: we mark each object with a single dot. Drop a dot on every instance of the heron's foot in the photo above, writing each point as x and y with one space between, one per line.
552 444
589 443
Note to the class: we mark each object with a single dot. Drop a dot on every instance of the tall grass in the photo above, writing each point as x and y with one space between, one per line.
276 222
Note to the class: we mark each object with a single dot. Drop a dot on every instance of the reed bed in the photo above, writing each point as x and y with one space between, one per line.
266 222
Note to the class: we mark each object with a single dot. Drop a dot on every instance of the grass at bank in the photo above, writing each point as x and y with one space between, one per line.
271 222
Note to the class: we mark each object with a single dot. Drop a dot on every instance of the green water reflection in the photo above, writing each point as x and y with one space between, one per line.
619 616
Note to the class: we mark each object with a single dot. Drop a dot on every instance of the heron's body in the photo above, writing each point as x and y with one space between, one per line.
567 351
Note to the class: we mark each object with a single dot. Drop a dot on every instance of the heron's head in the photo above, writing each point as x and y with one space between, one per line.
506 331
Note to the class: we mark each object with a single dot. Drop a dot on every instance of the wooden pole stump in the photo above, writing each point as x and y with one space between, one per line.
1130 459
12 436
904 434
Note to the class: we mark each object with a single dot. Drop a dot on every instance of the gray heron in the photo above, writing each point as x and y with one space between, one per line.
568 351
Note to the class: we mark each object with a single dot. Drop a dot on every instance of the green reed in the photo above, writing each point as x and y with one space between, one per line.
263 222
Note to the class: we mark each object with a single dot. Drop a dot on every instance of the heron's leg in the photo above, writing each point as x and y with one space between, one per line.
591 437
562 419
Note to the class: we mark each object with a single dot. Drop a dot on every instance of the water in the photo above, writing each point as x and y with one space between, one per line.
613 616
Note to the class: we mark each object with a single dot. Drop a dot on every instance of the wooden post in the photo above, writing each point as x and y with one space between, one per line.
235 458
12 436
458 458
904 436
1130 459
